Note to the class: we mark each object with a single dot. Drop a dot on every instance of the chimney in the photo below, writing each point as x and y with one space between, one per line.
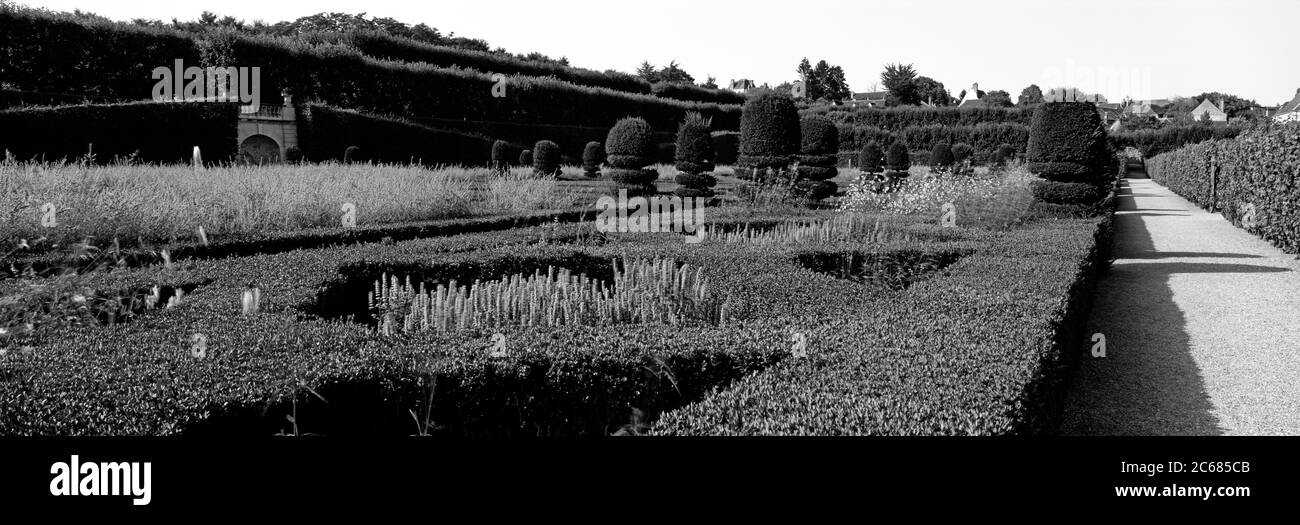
1222 106
975 89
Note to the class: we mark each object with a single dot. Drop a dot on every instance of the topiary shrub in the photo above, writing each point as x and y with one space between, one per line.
871 159
819 144
1008 151
593 155
293 155
546 158
695 157
1067 143
630 149
726 147
501 156
352 155
962 152
941 158
1069 150
898 159
526 157
769 135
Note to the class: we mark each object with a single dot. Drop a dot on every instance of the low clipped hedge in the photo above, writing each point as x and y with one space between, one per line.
154 132
1077 193
691 92
986 348
975 348
1257 168
1152 142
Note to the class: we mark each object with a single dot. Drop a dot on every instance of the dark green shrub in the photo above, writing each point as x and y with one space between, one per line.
293 154
769 132
501 155
962 152
941 158
898 159
546 158
1067 143
1008 151
630 151
819 143
593 155
526 157
871 159
1079 193
352 155
726 147
694 156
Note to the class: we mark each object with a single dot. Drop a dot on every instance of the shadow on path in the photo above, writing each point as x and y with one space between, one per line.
1148 383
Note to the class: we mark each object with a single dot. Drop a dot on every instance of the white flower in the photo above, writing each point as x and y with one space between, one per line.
4 331
78 298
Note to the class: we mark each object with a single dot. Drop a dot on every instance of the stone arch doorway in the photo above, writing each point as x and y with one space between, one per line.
259 149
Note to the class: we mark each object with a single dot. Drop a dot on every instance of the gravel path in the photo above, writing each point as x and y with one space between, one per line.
1202 325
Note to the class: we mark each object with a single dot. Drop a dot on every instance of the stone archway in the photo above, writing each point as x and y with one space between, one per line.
259 149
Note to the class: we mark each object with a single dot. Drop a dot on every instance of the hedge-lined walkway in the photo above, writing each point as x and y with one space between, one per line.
1202 324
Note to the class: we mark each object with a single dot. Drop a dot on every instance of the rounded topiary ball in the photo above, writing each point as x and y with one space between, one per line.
769 132
526 157
630 150
546 158
593 155
819 145
941 157
871 159
293 154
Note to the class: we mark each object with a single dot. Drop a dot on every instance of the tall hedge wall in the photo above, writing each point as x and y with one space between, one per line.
159 132
1260 167
62 55
384 46
984 137
1152 142
325 132
686 91
897 118
570 138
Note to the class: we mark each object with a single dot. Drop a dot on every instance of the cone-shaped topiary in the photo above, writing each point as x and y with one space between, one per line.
501 156
526 157
352 155
871 159
546 158
941 158
593 155
694 156
769 134
819 145
630 148
726 147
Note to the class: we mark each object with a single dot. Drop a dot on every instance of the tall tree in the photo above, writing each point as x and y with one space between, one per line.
932 91
647 72
997 99
1030 95
711 83
900 80
674 73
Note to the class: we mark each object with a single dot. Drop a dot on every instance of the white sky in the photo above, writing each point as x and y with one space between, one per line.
1139 48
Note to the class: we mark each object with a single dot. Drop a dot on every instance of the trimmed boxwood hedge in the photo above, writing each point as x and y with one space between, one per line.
1260 168
898 118
1078 193
692 92
1152 142
976 349
159 132
986 348
326 132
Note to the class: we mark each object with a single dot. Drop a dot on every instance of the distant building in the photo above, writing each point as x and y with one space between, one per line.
1208 109
971 98
742 86
870 99
1289 112
1110 112
1262 112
